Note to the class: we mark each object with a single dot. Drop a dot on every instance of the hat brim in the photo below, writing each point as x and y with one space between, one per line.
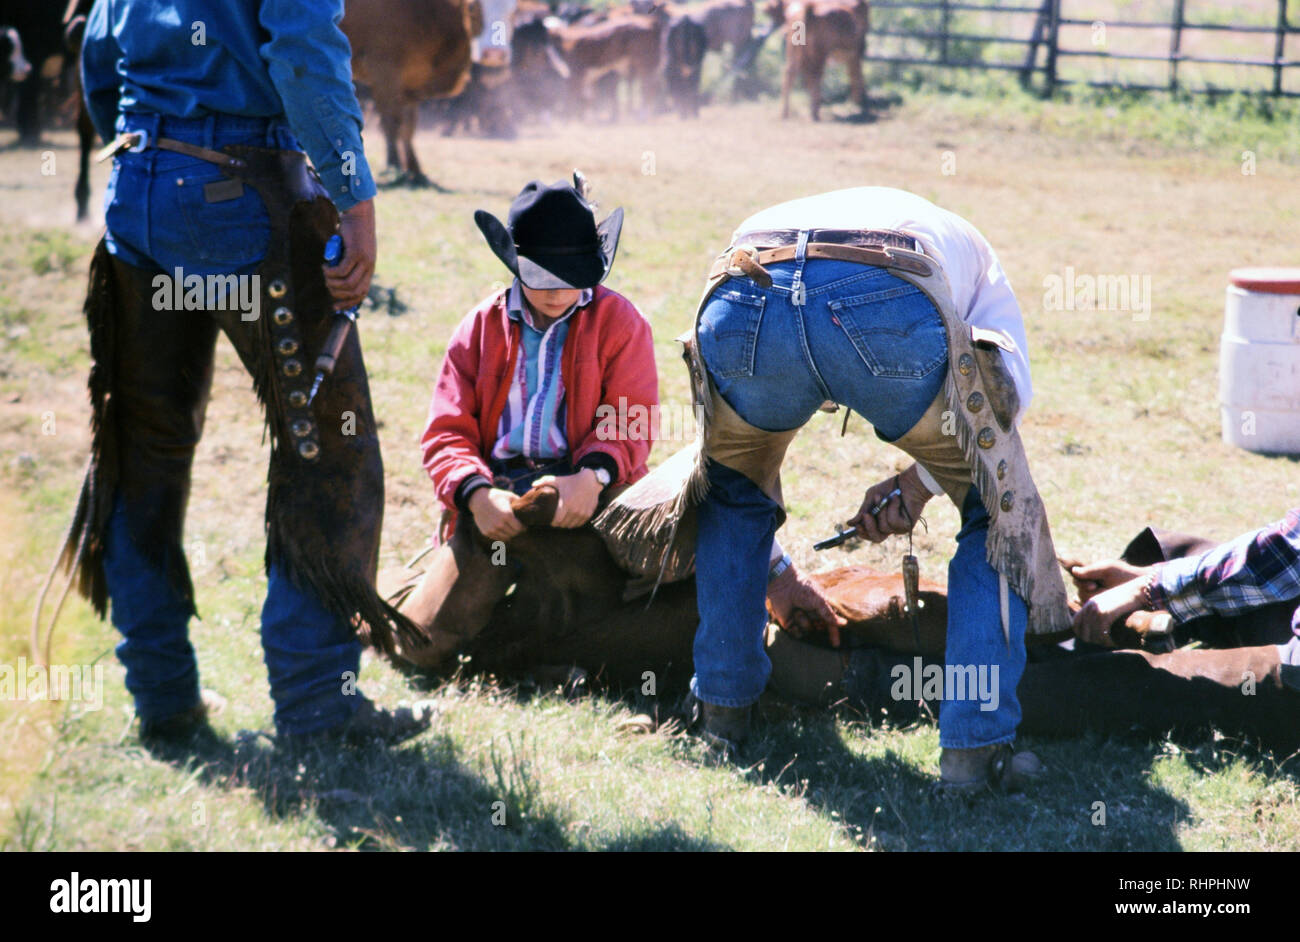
550 272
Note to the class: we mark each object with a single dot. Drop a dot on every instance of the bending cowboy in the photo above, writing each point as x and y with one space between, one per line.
210 180
878 300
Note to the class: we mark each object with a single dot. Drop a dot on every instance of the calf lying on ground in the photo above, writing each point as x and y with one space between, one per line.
556 598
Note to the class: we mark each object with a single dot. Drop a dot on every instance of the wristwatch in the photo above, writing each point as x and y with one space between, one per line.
602 476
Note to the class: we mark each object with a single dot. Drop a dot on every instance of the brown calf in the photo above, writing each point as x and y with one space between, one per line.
568 608
407 52
819 31
628 45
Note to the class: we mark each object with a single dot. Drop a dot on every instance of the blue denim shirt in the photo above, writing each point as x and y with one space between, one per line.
250 58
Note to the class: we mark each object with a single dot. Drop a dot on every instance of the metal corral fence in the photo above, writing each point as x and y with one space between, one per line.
1165 45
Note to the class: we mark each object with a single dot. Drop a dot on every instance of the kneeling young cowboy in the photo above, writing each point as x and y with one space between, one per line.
543 382
878 300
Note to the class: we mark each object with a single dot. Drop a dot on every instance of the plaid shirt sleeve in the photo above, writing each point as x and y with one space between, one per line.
1253 570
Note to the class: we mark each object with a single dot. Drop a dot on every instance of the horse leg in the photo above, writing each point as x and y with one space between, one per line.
86 140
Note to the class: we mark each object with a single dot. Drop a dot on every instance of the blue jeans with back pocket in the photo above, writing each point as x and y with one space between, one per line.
159 218
864 338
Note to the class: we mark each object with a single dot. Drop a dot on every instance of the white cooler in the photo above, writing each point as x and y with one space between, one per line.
1259 360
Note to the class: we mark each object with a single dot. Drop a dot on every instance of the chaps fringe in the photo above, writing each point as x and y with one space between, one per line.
82 554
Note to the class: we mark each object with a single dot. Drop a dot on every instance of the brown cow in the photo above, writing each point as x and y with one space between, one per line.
818 31
568 608
628 44
407 52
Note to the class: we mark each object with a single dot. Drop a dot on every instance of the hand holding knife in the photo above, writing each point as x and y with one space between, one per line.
843 536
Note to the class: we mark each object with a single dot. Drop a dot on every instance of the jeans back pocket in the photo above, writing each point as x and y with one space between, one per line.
728 332
896 330
230 232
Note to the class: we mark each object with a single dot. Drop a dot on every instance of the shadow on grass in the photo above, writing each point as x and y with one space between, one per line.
1096 794
419 796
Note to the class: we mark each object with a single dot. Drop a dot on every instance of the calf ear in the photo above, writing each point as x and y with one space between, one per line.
537 507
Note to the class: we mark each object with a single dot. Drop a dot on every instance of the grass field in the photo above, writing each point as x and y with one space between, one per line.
1123 431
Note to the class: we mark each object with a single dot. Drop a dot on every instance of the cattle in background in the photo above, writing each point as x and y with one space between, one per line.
497 99
725 22
539 72
14 66
39 24
628 45
407 52
685 42
818 31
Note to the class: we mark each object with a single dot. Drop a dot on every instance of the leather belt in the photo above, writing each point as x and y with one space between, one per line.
863 238
137 141
749 261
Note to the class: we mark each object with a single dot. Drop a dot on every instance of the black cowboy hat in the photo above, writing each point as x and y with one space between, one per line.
552 240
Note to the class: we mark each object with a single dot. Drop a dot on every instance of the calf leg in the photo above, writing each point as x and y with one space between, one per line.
454 600
812 77
787 80
1238 691
856 89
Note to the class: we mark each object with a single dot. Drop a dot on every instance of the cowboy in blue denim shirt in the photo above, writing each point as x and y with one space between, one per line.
216 224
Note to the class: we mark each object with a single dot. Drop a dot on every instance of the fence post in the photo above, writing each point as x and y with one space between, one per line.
1175 44
1279 47
945 18
1035 37
1053 41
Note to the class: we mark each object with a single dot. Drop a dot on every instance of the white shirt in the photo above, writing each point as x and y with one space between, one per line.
979 287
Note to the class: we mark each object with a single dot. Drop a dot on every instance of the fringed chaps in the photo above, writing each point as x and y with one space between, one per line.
149 386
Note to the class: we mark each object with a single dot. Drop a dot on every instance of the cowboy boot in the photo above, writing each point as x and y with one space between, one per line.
999 767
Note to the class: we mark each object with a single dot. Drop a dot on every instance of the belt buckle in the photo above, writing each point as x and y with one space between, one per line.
734 268
142 141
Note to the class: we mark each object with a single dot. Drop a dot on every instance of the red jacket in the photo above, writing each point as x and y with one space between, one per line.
608 360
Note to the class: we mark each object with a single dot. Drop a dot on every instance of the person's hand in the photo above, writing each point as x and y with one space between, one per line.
349 280
579 494
1092 622
1089 580
492 514
892 519
799 607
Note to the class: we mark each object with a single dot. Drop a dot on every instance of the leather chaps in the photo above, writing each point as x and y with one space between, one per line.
150 381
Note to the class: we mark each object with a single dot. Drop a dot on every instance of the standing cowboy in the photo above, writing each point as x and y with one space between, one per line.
215 223
878 300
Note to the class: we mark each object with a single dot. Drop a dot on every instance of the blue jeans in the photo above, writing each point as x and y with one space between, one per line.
866 339
156 222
